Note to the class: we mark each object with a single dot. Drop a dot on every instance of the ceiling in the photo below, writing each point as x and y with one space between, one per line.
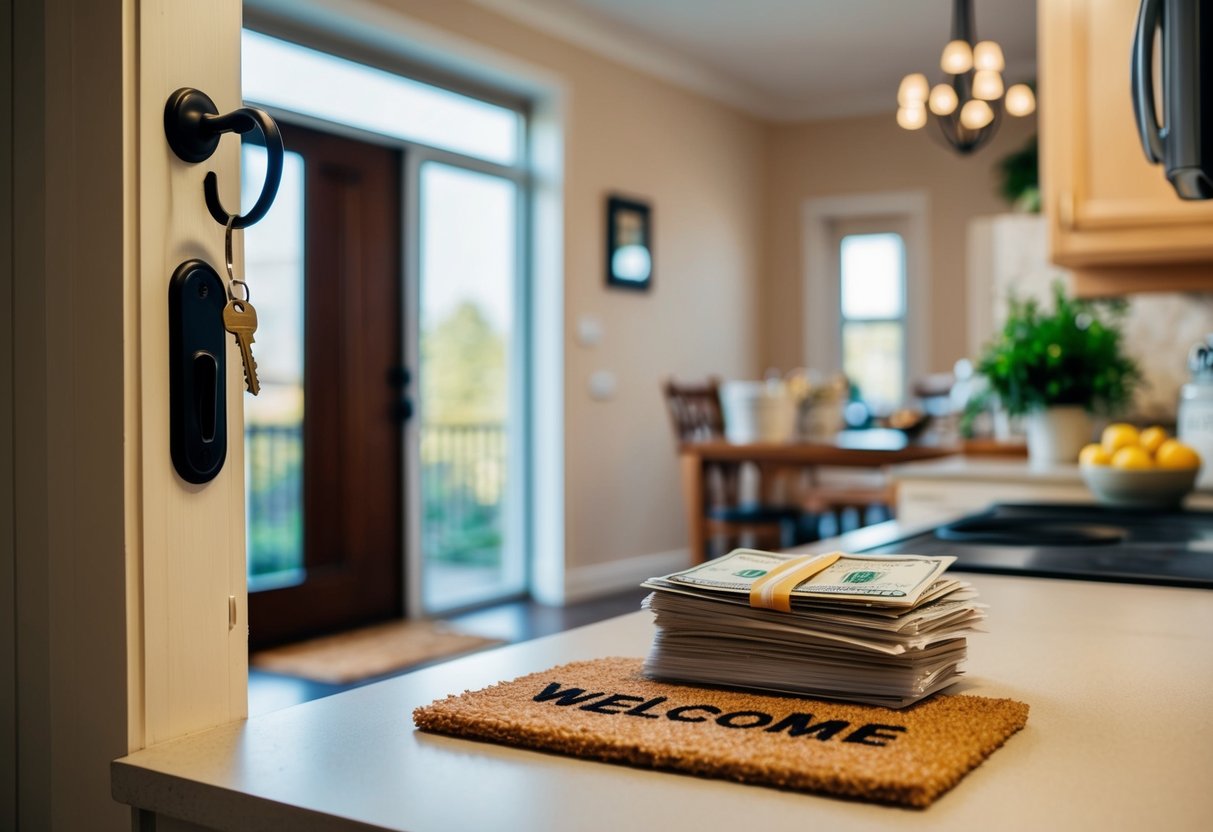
783 59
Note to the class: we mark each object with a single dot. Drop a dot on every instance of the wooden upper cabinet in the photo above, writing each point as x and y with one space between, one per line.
1113 217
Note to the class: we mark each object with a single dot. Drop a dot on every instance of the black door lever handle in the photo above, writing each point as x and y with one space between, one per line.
193 126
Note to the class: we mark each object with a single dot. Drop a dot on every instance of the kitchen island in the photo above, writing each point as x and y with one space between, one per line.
1119 679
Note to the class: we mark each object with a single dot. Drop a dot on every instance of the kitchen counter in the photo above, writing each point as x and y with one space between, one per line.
1118 678
931 492
985 469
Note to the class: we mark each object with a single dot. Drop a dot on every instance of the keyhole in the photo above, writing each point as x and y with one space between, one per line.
206 393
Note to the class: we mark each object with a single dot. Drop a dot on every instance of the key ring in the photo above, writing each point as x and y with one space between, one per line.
232 280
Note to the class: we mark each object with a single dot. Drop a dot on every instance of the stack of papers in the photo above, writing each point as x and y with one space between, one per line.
878 629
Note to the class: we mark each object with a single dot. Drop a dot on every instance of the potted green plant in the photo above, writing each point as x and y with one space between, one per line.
1058 367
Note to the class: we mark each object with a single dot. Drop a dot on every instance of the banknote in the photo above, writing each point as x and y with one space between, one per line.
887 580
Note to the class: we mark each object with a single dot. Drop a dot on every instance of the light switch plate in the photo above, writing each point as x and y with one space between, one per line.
603 385
589 331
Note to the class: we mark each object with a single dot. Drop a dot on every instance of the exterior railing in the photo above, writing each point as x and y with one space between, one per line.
463 481
274 462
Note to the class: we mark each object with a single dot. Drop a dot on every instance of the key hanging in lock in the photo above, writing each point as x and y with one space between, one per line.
239 316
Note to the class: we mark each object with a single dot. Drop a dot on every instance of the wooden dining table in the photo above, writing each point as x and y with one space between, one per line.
872 449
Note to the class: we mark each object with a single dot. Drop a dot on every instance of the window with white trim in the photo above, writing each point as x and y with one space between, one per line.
871 275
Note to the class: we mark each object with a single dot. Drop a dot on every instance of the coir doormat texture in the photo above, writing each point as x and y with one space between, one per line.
606 710
371 651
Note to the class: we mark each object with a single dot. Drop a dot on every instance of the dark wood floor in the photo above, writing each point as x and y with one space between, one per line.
512 622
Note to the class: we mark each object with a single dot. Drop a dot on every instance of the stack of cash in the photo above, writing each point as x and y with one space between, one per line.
878 629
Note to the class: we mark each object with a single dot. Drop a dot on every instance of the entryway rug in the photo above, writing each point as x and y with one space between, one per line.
606 710
352 656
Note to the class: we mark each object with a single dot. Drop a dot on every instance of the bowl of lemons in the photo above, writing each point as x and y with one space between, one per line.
1141 469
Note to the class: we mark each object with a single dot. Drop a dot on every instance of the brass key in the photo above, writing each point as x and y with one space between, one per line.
240 319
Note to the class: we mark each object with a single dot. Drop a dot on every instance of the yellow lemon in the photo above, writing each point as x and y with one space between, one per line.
1175 454
1131 458
1152 438
1119 435
1094 454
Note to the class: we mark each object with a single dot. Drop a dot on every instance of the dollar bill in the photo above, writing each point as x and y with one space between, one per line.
885 580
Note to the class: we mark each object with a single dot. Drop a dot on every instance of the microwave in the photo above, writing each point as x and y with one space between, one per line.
1179 133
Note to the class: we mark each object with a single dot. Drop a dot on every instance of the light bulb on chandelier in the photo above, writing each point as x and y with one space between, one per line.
957 57
976 114
943 99
987 85
913 90
988 55
1020 100
912 117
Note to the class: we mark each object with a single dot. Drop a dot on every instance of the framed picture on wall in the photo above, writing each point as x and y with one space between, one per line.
629 244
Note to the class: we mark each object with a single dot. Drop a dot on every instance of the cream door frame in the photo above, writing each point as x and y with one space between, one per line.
192 538
122 575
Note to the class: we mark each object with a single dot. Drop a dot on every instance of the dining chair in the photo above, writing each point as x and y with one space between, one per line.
734 513
832 498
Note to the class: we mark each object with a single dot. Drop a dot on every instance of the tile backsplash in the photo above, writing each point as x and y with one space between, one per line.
1159 331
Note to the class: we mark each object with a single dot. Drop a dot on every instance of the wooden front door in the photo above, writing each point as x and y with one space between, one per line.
350 497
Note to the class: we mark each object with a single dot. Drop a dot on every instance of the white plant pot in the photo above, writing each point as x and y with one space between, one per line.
1056 435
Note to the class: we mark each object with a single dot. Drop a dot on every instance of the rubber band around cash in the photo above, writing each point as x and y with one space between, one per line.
773 591
607 710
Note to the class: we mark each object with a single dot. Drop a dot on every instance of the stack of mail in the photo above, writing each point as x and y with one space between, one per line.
878 629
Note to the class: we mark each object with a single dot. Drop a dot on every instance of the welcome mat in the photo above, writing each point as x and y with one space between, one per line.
605 710
371 651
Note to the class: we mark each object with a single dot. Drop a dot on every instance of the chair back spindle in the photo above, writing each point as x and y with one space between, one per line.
695 410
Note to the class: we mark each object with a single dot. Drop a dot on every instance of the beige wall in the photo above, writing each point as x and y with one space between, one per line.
699 163
865 156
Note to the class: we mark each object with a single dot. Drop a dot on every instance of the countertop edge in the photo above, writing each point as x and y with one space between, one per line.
215 807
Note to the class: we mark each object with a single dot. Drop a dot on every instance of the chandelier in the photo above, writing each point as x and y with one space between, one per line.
969 106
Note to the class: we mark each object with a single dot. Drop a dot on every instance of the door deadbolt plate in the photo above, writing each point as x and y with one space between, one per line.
197 372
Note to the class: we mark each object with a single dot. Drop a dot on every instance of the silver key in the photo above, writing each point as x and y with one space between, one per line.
240 319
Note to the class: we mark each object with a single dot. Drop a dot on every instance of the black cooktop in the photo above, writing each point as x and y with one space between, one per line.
1085 542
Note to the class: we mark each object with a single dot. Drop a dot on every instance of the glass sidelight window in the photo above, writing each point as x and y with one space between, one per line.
274 260
469 385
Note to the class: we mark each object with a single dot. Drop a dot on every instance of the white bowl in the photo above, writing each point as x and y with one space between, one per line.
1149 488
